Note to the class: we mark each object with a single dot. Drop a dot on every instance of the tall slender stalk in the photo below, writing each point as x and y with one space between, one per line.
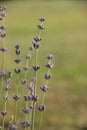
35 90
49 65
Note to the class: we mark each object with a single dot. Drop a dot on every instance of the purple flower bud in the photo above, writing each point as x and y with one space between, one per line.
35 98
27 98
6 97
3 7
17 46
3 27
16 97
41 26
7 80
1 18
12 127
28 56
2 74
36 67
17 52
4 49
7 88
26 68
26 124
17 60
4 113
3 14
17 70
42 19
31 86
37 39
44 88
41 108
26 110
2 34
23 81
31 47
50 56
49 65
36 45
47 76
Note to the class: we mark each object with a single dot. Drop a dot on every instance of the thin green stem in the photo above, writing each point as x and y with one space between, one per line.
3 58
25 76
16 102
3 123
35 90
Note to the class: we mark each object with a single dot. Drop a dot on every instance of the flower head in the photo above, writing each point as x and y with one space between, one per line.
50 56
26 68
36 45
49 65
37 39
17 60
4 49
17 70
36 67
44 88
41 108
16 97
12 127
26 124
47 76
42 19
23 81
28 56
3 27
4 113
17 46
2 34
26 110
41 26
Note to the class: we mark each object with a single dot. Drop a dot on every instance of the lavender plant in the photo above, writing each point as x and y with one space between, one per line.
25 99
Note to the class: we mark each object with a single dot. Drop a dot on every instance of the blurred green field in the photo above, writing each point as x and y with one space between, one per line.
65 37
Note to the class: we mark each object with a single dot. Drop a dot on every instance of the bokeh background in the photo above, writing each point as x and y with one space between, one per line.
65 36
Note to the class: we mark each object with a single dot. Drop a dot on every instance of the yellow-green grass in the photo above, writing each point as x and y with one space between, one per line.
65 37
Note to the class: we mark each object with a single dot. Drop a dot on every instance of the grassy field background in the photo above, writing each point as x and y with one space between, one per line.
65 37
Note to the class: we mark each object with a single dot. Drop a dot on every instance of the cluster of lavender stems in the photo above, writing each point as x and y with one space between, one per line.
24 100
